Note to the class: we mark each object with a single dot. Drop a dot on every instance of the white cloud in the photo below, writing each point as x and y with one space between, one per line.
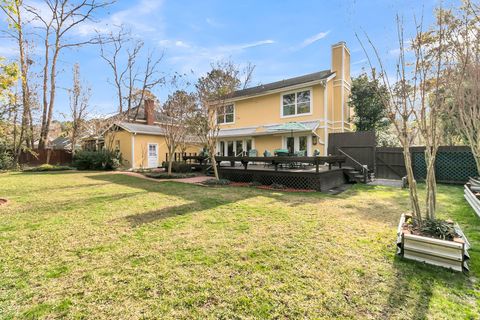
198 58
136 17
8 50
314 39
359 61
213 23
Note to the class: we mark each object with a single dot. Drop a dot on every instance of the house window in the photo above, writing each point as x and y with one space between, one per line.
225 114
296 103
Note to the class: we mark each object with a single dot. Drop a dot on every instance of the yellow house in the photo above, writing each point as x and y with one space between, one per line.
254 117
141 142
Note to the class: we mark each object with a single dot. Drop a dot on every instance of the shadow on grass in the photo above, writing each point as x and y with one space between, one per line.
414 286
200 198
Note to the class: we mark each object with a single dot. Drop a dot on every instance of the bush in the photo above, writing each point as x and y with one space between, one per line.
178 166
6 157
164 175
97 160
215 182
48 167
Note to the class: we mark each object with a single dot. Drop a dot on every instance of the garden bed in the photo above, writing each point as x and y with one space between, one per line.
473 198
416 244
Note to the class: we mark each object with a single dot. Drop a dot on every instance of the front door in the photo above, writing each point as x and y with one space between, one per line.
152 155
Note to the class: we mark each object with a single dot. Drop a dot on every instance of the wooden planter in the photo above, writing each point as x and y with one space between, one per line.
443 253
472 199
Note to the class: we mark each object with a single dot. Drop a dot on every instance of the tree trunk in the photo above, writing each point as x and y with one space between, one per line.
431 184
42 140
214 165
412 186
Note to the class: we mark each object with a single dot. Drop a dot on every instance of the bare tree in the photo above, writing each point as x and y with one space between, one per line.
132 79
416 100
60 18
175 115
13 12
463 47
79 99
213 91
400 108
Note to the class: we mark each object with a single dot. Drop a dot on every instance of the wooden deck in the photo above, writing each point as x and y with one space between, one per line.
299 178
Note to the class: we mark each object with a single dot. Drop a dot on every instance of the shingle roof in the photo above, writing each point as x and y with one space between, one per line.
321 75
141 128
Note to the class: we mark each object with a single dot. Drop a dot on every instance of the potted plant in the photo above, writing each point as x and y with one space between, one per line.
437 242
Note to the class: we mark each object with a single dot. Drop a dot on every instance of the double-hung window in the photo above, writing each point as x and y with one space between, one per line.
225 114
296 103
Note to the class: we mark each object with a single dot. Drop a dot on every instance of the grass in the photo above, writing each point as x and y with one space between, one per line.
108 246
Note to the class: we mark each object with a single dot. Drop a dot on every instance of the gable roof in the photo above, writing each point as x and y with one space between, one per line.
141 128
311 77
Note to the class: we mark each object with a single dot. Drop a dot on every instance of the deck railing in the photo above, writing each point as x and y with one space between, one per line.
278 160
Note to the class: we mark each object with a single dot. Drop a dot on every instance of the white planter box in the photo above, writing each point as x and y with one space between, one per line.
472 200
443 253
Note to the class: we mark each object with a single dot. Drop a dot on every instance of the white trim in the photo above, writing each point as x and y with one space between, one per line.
293 87
133 151
148 154
301 114
226 123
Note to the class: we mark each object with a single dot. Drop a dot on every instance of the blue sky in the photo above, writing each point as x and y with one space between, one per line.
282 38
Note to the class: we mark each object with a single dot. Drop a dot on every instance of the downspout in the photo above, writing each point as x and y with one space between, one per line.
133 150
325 117
343 91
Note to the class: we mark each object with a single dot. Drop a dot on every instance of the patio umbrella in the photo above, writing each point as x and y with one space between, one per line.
289 126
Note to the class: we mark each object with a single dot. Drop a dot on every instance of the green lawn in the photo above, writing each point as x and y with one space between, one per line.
105 246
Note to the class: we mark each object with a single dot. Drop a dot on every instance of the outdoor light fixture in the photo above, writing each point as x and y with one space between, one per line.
314 140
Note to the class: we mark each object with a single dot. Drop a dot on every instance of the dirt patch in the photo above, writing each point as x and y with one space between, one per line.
3 202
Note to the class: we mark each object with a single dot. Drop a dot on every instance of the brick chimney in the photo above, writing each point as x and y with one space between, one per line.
149 111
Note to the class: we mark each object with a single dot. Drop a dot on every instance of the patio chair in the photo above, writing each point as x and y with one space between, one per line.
266 153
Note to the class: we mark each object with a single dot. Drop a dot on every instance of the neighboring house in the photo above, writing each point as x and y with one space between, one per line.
318 104
141 141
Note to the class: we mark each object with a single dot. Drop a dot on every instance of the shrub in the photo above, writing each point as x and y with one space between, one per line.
440 229
97 160
48 167
164 175
215 182
277 186
6 157
178 166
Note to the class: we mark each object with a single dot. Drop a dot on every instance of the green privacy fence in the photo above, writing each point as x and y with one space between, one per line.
453 165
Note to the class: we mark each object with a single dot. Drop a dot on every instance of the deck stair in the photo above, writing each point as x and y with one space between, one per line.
357 176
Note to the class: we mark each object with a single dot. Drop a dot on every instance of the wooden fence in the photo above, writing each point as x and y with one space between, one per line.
38 157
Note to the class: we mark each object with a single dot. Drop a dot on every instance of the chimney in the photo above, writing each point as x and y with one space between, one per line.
341 61
341 67
149 111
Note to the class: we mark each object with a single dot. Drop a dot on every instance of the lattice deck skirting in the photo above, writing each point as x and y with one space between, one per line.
321 181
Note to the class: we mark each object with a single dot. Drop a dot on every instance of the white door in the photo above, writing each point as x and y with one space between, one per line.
152 155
